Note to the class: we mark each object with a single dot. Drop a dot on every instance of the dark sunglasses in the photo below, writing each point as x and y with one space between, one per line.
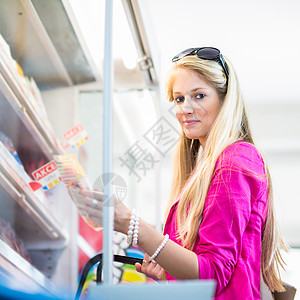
208 53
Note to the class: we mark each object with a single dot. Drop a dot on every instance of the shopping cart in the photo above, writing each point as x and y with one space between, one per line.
98 259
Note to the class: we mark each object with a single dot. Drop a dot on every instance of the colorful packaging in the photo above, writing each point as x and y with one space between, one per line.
75 180
7 142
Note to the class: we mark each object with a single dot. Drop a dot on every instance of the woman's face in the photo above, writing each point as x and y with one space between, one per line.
197 104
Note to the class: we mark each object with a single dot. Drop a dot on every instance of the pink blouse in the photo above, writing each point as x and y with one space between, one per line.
229 243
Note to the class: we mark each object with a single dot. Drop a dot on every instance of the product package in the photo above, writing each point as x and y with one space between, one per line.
10 159
7 142
75 179
11 162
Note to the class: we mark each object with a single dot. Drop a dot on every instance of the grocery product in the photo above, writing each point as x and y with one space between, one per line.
75 179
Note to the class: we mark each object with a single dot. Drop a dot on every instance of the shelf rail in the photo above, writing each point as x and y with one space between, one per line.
20 191
12 91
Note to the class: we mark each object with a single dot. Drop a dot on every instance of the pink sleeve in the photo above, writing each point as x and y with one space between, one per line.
233 191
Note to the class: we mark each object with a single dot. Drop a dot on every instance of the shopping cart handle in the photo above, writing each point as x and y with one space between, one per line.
98 259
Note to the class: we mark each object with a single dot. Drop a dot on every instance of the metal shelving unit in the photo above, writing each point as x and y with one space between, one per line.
44 227
54 54
45 42
29 118
29 213
32 279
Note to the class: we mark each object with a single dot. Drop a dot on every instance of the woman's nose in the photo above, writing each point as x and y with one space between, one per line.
187 106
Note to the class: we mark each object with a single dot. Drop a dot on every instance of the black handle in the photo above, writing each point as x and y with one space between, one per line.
98 259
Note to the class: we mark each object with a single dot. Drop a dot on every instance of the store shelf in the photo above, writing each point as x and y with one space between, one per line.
42 38
30 278
38 227
12 92
44 42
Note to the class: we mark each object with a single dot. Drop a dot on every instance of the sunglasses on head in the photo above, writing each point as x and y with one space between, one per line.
208 53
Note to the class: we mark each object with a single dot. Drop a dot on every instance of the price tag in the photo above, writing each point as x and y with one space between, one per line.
76 136
47 176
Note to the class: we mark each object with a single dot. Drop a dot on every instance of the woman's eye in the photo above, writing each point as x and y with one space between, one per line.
199 96
179 99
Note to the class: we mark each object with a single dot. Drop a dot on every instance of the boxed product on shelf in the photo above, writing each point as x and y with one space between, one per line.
9 154
11 161
7 142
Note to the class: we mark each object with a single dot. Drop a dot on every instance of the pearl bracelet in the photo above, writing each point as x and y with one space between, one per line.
136 231
133 228
160 247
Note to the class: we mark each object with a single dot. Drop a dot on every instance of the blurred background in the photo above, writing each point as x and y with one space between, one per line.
258 37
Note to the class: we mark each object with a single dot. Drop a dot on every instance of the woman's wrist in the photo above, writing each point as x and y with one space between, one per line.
122 222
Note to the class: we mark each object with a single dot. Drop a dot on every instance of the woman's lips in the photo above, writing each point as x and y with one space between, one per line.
190 122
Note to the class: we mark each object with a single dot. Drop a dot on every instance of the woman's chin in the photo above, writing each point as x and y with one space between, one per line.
192 136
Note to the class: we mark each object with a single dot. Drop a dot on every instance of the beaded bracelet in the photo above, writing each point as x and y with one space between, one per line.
136 231
133 228
160 247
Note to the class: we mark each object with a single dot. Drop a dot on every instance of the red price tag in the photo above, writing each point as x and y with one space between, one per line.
45 171
73 132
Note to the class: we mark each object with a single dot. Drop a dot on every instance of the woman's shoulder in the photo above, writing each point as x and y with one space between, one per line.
241 155
242 148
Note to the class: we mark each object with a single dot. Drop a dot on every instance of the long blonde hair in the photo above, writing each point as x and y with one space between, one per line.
230 125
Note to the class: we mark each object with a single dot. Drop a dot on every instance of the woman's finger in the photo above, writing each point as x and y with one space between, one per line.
150 268
138 267
92 194
161 274
95 219
92 211
92 202
157 271
145 267
157 267
146 257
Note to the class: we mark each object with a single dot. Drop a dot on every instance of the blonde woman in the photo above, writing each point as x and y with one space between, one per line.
219 224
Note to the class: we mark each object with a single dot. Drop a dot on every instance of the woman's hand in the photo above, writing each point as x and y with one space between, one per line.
93 202
152 269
